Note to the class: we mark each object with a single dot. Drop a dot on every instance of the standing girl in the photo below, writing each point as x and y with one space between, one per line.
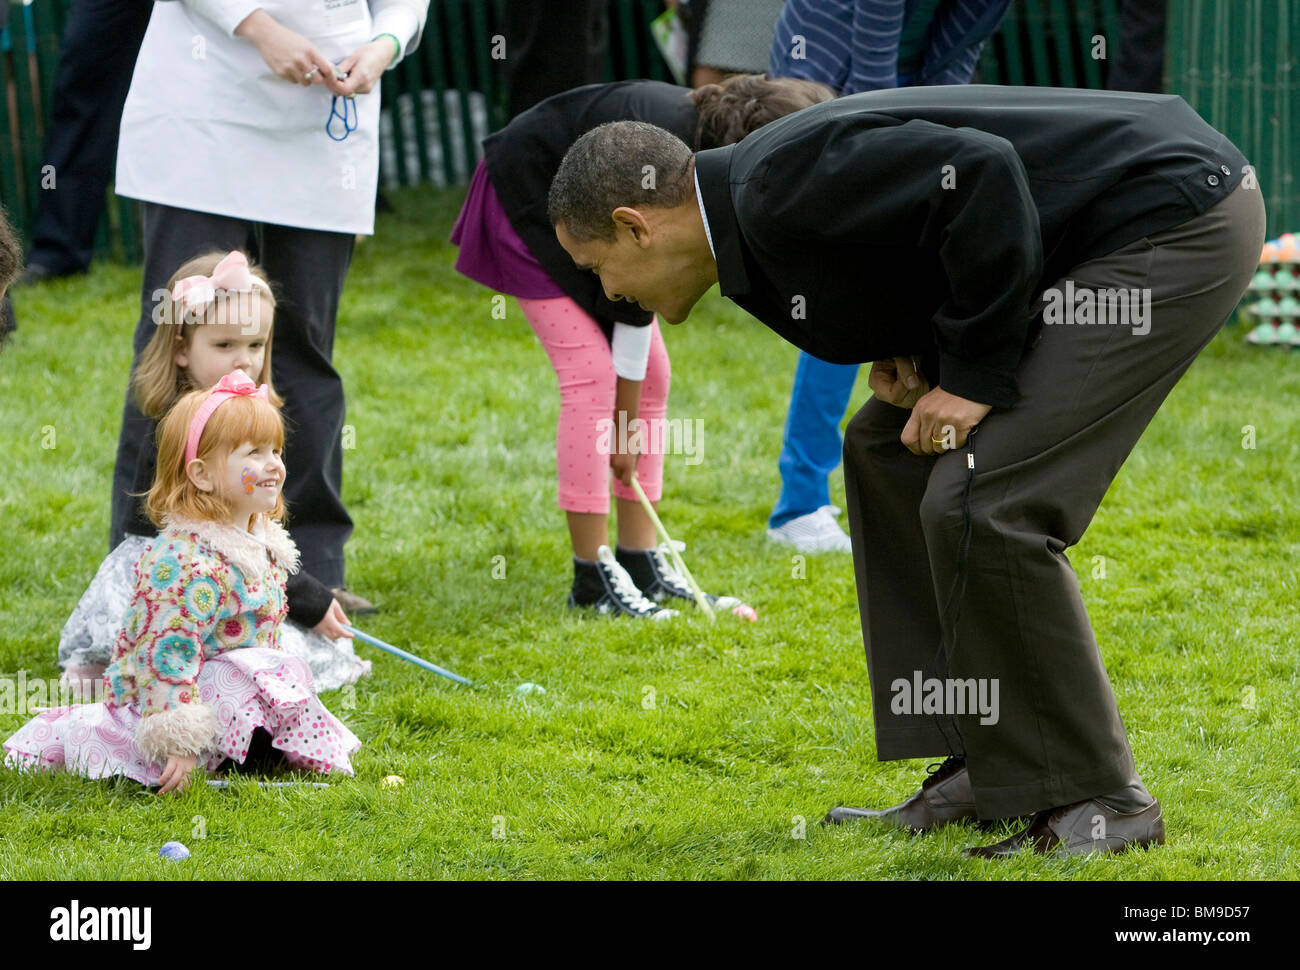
241 118
197 674
609 357
215 315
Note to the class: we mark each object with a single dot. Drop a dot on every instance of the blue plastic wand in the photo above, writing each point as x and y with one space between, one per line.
410 657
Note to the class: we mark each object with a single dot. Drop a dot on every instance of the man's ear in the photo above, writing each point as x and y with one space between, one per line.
634 221
198 475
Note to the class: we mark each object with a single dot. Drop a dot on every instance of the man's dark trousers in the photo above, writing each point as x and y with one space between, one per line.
100 44
1087 392
307 268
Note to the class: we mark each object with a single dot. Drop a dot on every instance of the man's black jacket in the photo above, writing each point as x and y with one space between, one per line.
928 220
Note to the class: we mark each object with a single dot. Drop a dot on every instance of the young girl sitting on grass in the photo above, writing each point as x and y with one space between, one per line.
215 316
197 674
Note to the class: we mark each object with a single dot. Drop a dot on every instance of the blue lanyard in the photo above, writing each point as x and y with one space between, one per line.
348 126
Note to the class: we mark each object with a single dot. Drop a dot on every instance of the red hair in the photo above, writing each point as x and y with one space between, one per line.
234 422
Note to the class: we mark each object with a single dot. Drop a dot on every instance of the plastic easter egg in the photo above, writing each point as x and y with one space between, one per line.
1265 309
1262 282
174 851
393 781
745 612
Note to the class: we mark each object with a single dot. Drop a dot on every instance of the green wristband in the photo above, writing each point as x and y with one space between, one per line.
397 47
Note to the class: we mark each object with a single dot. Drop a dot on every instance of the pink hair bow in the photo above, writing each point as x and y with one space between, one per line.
234 384
232 274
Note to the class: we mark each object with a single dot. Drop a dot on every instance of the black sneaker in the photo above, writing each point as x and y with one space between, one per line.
605 586
262 758
659 582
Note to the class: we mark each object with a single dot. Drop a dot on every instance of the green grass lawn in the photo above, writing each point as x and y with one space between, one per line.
681 750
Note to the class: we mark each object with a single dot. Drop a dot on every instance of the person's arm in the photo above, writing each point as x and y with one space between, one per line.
309 599
312 604
403 20
630 348
396 26
960 193
287 53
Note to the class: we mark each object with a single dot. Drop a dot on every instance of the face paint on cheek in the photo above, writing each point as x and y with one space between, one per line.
249 480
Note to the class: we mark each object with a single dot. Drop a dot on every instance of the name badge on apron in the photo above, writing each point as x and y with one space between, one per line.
338 16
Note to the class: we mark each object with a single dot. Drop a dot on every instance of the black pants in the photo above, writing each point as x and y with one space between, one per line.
1139 62
553 47
307 267
100 44
1041 469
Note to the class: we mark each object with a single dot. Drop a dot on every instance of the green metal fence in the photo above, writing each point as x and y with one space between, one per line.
1233 60
1053 43
1238 65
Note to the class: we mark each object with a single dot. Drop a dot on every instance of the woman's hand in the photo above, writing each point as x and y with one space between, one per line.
176 773
366 65
898 382
288 53
943 416
332 623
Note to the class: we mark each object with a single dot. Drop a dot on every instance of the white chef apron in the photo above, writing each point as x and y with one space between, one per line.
207 126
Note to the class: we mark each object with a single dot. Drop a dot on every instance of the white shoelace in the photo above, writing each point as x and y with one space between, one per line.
622 583
666 570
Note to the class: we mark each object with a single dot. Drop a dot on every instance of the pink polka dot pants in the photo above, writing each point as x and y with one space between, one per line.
584 365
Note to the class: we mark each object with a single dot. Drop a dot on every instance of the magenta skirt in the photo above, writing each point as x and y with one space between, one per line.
491 252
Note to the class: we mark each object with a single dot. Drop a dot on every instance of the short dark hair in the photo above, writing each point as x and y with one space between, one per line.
619 163
11 251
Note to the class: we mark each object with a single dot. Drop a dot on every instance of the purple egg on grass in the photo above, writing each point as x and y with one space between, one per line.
174 851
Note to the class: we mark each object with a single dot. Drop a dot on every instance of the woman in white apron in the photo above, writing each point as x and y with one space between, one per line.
260 118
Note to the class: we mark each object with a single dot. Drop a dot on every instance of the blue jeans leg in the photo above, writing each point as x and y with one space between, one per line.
812 443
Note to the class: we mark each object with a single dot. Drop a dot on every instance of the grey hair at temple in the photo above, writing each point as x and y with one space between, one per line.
620 163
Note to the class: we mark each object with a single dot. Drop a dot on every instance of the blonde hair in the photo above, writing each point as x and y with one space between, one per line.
158 381
235 421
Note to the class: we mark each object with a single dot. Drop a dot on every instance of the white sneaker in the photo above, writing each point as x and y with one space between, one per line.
815 532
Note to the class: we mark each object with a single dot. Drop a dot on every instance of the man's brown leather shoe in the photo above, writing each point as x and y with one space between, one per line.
1087 826
944 797
352 603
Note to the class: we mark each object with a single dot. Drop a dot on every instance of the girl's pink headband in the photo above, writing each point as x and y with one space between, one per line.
234 384
232 274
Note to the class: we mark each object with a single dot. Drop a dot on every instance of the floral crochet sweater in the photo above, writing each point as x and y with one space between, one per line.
201 588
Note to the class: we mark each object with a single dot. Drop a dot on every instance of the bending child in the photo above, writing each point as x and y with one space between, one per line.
608 355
